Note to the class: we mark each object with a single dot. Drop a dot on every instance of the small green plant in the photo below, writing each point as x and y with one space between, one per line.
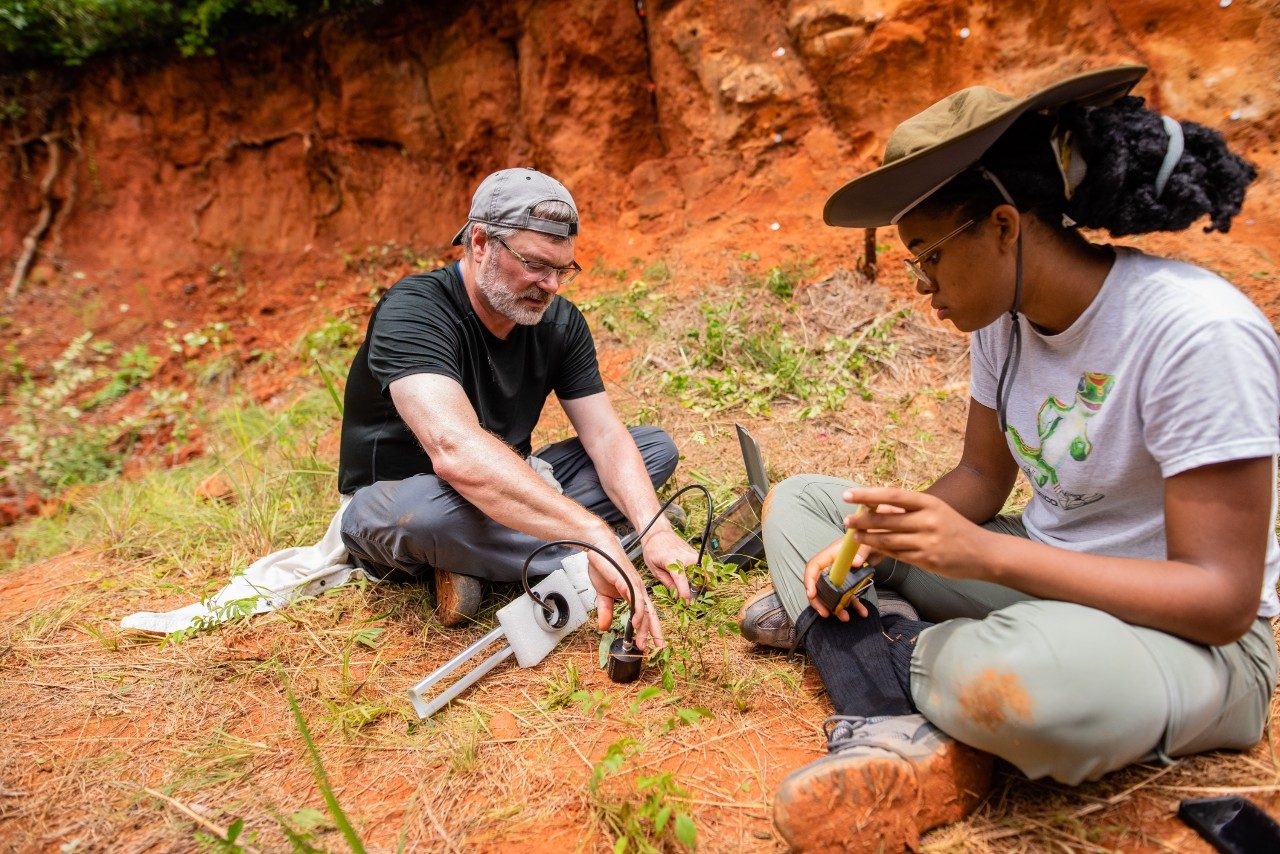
631 313
335 340
651 815
214 335
593 703
885 457
782 280
691 716
466 752
780 284
562 688
134 368
350 717
301 827
693 628
219 845
51 446
234 610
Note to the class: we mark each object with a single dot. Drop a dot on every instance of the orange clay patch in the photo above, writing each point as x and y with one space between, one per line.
992 698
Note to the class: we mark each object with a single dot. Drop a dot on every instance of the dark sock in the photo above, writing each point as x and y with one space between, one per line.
901 634
865 664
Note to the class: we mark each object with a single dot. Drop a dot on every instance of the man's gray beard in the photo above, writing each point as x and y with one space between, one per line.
507 304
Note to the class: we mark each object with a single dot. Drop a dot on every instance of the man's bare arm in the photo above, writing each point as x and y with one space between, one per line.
626 481
491 476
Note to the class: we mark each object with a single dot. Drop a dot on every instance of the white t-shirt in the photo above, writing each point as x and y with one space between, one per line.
1168 369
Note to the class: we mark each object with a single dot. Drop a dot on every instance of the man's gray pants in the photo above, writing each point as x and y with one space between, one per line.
1057 689
401 529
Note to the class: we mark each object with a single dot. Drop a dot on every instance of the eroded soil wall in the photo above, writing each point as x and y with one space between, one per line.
667 119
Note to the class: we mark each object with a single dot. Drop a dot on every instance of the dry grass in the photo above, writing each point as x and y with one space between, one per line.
114 742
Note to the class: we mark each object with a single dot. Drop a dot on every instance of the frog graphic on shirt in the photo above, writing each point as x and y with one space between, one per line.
1064 436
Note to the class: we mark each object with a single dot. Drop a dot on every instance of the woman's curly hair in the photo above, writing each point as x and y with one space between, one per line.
1123 145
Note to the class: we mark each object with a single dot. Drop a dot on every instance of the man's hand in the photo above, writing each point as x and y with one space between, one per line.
665 549
610 587
919 529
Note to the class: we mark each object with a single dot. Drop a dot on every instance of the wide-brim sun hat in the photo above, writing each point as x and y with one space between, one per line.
933 146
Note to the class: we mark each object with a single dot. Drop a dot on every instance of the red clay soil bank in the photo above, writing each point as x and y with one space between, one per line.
687 129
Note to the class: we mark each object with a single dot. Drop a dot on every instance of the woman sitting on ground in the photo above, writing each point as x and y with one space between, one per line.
1123 617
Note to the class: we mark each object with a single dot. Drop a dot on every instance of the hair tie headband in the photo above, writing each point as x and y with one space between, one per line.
1071 164
1172 154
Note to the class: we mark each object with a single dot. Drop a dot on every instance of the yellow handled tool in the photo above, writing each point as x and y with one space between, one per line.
837 587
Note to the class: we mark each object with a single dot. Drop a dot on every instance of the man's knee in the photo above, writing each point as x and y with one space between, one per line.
659 452
1059 690
394 524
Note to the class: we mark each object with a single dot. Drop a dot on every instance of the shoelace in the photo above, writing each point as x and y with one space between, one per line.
843 730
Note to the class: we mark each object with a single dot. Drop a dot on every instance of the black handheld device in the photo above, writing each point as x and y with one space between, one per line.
1231 824
837 598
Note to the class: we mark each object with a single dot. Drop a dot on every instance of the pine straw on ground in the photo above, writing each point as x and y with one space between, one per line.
114 742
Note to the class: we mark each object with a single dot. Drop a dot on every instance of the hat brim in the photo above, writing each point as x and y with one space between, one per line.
883 195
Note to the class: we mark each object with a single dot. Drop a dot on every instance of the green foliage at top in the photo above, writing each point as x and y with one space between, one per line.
645 820
67 32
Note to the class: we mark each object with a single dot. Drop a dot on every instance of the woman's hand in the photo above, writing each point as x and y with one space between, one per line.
823 560
818 564
919 529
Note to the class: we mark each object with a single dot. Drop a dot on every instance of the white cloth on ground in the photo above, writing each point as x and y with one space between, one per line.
271 582
279 578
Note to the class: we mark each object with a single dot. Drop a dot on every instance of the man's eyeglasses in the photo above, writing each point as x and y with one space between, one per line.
539 270
927 256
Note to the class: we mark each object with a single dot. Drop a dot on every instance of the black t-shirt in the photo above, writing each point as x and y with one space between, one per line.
425 325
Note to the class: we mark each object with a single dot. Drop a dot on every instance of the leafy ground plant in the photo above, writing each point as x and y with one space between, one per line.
697 629
654 812
51 443
745 356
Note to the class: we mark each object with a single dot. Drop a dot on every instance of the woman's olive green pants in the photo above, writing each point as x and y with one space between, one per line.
1058 689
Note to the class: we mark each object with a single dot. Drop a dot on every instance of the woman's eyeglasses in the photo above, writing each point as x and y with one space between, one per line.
914 264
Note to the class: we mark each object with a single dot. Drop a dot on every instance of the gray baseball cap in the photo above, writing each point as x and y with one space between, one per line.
507 199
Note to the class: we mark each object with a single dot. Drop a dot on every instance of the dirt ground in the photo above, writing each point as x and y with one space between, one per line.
114 742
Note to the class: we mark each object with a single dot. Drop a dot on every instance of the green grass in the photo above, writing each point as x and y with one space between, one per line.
745 354
285 493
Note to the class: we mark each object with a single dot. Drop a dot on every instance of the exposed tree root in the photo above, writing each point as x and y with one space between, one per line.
73 193
48 207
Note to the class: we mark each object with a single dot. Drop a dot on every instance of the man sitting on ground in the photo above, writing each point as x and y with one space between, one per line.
443 397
